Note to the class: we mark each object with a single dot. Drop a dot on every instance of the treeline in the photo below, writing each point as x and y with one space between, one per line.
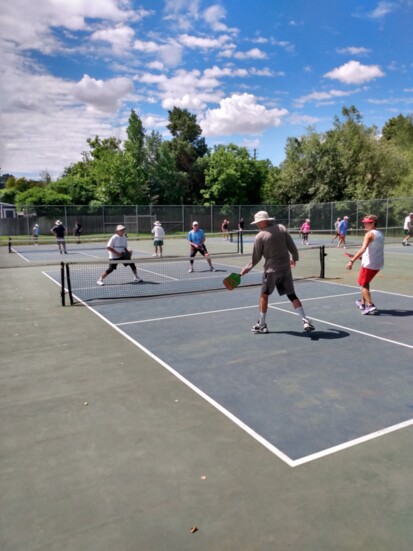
349 162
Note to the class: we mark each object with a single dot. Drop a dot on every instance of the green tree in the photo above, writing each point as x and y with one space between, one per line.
399 130
187 146
162 172
232 177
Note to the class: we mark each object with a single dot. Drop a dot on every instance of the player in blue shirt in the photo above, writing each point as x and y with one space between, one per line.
196 238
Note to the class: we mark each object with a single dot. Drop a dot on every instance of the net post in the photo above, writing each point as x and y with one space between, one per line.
10 246
69 284
323 254
62 283
240 242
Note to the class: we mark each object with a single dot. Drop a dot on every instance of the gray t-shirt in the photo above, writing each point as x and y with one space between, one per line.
276 245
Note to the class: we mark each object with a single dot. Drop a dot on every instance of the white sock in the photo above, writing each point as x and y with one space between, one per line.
262 318
301 313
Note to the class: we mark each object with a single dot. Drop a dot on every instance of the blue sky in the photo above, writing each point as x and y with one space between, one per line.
253 71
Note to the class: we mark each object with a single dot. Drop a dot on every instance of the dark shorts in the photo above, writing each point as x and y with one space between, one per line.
158 243
366 275
201 249
282 281
113 266
408 233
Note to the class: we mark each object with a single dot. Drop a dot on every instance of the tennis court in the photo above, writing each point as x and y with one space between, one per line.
280 441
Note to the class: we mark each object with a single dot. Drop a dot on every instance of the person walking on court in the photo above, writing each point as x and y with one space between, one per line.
336 229
305 231
408 229
372 261
225 229
342 232
276 246
77 230
60 232
35 234
118 250
158 234
196 238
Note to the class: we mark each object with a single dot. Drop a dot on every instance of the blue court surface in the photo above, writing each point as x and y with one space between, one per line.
301 395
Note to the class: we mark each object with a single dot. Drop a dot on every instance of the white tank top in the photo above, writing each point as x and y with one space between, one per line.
373 256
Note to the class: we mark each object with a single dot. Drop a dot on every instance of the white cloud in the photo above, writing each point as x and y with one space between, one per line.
353 50
146 46
240 114
322 96
354 72
203 43
254 53
214 16
382 9
119 37
103 96
30 24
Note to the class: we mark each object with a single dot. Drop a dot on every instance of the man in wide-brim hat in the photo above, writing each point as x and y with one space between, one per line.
276 246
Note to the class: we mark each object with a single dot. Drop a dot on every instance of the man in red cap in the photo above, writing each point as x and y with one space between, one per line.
372 261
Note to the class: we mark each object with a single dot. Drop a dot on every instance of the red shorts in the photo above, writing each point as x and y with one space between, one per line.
366 275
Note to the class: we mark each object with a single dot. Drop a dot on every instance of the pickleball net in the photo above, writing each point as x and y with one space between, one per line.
170 276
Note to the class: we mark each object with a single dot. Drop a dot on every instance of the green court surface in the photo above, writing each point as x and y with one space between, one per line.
103 448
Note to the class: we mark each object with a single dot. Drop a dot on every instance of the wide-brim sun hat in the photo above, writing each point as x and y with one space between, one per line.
120 227
157 223
261 216
58 223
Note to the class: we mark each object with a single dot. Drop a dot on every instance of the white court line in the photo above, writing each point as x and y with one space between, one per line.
232 309
398 343
273 449
21 256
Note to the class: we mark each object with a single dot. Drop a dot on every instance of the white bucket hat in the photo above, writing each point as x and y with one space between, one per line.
261 216
157 223
120 227
58 223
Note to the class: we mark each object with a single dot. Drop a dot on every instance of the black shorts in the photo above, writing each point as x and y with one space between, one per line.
114 265
200 249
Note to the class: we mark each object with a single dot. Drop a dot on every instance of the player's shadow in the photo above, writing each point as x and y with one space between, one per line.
396 313
331 334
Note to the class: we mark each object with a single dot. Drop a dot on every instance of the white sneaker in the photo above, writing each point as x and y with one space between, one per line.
212 269
190 270
307 326
154 254
136 280
100 282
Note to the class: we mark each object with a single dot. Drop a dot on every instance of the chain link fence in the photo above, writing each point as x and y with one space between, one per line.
139 219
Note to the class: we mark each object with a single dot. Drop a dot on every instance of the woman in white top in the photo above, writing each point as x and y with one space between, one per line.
372 261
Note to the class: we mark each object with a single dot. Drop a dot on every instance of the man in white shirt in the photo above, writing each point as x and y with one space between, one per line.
118 250
408 226
158 235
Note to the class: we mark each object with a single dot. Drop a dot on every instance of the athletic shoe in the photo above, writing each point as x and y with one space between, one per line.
257 328
370 310
154 254
100 282
403 243
308 326
212 269
137 280
190 270
360 304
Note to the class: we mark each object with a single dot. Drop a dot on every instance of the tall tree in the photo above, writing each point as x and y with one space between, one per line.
187 146
232 177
